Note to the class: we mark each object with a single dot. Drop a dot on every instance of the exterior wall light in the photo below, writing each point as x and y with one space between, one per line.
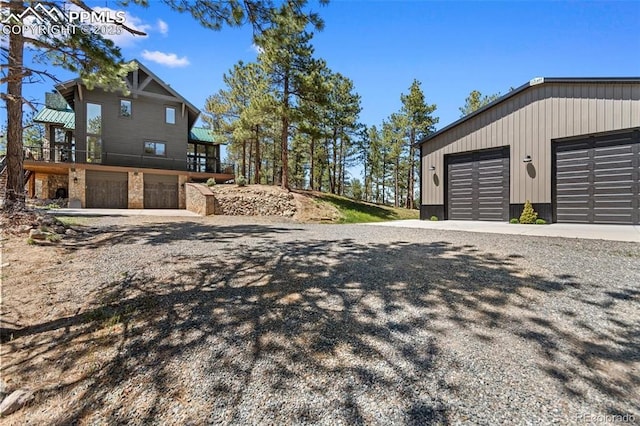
432 168
526 159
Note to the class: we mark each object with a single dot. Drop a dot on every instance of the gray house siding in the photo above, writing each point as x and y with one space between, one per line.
528 122
123 138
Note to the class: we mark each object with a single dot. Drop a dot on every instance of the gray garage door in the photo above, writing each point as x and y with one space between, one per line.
597 179
160 191
478 185
106 190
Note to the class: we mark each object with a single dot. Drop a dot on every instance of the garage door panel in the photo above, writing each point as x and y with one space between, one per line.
106 190
478 185
160 191
600 184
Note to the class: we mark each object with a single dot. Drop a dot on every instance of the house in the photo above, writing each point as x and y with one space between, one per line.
111 150
571 146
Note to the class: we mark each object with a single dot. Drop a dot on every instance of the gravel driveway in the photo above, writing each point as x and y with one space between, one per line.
243 321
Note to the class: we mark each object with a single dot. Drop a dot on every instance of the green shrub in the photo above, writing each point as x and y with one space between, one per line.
540 221
528 215
514 220
241 180
31 241
434 218
211 182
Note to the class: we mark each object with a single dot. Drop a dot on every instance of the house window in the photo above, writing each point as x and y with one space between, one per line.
94 133
125 108
155 148
170 115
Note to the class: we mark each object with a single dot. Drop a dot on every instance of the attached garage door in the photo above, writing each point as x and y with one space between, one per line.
478 185
107 190
597 179
160 191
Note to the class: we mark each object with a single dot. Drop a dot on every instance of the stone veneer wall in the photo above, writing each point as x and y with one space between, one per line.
199 199
182 193
77 190
136 190
51 183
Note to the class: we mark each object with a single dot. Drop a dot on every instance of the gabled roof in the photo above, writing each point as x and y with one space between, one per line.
66 118
533 82
66 89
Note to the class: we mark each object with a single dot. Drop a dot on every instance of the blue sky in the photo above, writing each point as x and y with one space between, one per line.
451 47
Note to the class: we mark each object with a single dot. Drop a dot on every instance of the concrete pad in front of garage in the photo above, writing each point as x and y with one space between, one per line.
562 230
123 212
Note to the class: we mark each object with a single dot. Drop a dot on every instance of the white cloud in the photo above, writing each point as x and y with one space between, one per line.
256 48
163 27
169 59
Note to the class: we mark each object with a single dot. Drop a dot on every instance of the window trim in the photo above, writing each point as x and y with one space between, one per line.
175 115
155 154
130 116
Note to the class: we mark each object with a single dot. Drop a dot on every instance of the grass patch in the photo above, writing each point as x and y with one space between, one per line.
353 211
73 220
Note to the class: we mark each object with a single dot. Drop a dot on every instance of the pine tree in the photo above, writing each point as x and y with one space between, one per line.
420 123
475 101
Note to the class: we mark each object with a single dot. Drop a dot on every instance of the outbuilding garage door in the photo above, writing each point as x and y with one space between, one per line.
597 179
106 190
160 191
478 185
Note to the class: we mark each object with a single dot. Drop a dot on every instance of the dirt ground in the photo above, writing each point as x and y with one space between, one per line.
259 321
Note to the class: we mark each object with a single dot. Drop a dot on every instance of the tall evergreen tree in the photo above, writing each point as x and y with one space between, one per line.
286 56
420 122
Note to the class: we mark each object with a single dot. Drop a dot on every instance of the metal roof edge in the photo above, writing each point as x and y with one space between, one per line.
533 82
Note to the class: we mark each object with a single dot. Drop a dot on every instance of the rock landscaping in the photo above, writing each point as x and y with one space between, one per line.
253 200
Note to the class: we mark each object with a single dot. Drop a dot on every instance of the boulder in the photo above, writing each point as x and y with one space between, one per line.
36 234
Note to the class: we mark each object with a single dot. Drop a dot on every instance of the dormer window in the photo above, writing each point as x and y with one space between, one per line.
125 108
170 115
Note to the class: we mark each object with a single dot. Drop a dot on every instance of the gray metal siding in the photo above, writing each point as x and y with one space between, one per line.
527 123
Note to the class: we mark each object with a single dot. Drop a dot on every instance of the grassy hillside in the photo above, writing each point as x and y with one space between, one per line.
353 211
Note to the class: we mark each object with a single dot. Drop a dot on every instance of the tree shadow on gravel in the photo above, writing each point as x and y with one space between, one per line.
268 326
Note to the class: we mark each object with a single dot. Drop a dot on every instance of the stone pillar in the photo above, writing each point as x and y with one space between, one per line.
136 190
182 194
77 188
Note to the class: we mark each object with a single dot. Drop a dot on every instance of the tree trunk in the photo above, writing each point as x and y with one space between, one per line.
284 142
14 195
412 163
312 146
396 194
384 175
257 160
244 158
334 166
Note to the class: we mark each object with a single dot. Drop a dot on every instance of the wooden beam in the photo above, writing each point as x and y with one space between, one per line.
184 107
157 96
80 92
145 83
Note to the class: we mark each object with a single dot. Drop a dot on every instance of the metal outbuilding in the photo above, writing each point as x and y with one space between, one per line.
571 146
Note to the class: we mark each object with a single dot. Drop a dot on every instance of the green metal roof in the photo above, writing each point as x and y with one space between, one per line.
48 115
202 134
